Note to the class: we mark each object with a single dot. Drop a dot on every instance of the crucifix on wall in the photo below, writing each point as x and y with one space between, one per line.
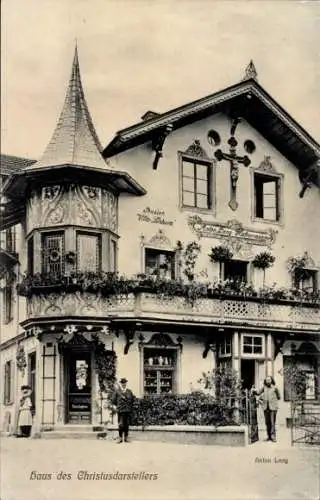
232 157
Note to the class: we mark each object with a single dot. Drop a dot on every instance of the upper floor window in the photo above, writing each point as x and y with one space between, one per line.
236 270
88 252
159 263
307 280
8 303
8 383
266 197
113 256
30 254
8 239
196 178
53 251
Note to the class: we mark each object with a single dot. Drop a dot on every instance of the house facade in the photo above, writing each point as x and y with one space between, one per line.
189 242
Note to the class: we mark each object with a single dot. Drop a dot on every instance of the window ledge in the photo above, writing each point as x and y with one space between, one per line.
268 221
252 356
209 211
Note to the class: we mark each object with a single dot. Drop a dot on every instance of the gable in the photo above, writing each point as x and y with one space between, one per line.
246 99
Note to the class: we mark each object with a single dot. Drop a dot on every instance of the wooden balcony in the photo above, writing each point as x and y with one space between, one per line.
231 311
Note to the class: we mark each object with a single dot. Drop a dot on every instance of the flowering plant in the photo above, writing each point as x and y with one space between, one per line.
114 285
263 260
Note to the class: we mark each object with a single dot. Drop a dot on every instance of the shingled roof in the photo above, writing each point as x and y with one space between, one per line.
12 164
74 141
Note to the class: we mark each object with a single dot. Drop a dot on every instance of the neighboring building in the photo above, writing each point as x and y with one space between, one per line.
151 206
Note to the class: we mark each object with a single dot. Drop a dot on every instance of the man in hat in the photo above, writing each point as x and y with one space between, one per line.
269 396
123 402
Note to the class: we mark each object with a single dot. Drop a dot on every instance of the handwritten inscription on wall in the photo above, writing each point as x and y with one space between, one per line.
154 216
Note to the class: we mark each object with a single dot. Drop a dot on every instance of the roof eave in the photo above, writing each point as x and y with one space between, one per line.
9 259
16 186
129 137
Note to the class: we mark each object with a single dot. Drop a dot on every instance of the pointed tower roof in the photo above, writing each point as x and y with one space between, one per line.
74 141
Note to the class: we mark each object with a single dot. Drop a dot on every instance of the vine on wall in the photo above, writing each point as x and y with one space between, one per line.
187 258
106 365
21 359
297 267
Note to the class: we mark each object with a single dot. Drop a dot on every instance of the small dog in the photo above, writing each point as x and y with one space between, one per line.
102 435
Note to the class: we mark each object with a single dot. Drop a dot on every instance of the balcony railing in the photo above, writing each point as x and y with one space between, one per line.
169 301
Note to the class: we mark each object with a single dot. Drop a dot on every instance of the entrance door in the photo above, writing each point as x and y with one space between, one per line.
32 377
78 376
248 373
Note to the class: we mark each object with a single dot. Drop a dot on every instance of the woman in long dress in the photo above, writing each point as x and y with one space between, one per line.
25 413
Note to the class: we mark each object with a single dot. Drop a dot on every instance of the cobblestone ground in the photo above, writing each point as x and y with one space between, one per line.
183 471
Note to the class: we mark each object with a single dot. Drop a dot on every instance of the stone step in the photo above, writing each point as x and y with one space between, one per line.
77 427
69 435
73 431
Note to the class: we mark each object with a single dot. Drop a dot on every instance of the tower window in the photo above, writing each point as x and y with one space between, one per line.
53 253
88 252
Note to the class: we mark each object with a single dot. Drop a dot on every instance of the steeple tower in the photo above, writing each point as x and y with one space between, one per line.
74 141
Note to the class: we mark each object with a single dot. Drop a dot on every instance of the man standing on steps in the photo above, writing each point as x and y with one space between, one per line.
123 402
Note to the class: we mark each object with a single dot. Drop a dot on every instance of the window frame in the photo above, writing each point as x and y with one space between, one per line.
8 383
211 198
96 234
8 239
253 355
8 296
315 280
224 343
43 236
279 179
113 255
160 251
247 262
160 368
288 393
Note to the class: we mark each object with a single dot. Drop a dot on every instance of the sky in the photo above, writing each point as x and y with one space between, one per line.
139 55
